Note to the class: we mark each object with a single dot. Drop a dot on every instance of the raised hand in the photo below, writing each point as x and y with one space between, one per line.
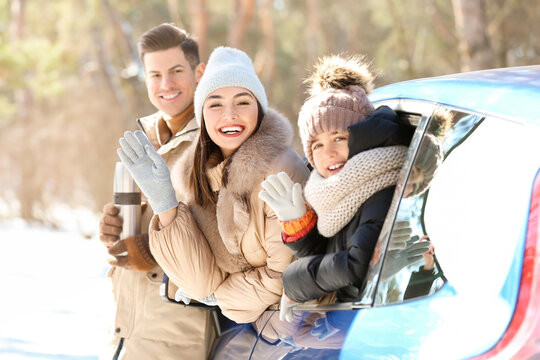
401 233
398 259
148 169
283 196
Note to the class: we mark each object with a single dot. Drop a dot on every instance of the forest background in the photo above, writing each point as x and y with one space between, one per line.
71 81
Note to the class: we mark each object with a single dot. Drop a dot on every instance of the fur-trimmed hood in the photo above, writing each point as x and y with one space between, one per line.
224 225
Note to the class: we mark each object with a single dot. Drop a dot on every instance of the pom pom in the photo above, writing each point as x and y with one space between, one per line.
441 121
337 72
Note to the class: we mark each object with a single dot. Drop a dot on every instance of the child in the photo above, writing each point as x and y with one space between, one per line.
357 153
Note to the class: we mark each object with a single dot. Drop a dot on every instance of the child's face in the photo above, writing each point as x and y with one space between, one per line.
330 152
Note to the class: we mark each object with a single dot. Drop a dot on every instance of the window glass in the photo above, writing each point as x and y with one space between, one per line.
410 268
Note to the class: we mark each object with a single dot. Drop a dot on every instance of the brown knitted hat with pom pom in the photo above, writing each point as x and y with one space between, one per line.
338 91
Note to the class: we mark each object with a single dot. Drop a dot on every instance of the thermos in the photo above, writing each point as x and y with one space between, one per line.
127 197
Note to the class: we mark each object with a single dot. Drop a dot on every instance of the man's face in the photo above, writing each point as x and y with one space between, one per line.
170 81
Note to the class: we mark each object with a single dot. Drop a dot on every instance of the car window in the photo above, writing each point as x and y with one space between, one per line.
410 268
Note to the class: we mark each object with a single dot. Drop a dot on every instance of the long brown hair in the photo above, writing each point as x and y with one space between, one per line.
198 181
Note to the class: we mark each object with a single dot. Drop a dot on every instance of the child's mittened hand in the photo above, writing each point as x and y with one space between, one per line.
283 196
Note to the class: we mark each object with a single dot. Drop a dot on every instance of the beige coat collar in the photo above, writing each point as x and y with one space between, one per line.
152 124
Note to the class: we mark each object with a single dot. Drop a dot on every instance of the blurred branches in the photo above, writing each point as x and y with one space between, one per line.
71 81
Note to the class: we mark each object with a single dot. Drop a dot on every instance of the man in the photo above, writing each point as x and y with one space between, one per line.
146 326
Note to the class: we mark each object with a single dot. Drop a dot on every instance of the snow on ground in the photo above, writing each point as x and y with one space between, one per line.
55 298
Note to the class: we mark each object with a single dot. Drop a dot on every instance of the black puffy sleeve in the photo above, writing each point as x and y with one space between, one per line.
347 261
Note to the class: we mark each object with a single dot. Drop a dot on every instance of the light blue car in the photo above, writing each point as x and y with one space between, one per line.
471 186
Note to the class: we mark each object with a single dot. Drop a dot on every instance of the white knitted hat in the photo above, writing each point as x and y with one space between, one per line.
228 67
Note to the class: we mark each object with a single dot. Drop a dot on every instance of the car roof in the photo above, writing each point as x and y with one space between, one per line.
512 93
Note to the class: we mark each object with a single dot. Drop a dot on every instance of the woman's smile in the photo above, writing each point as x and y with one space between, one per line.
230 117
231 131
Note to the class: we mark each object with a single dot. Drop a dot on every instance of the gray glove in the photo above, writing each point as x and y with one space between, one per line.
148 170
283 196
401 233
286 308
398 259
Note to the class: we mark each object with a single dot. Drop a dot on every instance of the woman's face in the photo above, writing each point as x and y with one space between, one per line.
330 152
230 117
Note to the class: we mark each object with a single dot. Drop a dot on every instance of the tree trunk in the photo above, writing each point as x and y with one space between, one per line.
174 12
243 13
498 30
16 25
265 60
110 74
313 31
22 156
124 32
199 25
473 44
403 44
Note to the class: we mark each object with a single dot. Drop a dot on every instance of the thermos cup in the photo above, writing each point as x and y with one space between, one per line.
127 197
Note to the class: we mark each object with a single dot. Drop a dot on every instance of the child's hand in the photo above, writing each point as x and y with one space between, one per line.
283 196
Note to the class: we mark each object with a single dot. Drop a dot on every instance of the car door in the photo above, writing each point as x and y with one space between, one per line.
473 207
322 330
471 204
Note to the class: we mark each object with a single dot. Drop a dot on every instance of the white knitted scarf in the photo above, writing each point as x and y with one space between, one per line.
336 199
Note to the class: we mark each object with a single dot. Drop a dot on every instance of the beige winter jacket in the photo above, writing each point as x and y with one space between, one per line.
146 326
233 250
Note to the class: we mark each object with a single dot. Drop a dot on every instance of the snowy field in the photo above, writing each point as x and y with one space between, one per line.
55 299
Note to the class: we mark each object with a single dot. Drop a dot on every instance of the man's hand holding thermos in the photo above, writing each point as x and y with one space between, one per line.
119 226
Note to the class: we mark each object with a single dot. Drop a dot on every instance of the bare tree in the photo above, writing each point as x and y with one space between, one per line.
110 74
174 11
242 15
265 59
199 25
21 137
403 44
123 31
16 25
473 44
313 30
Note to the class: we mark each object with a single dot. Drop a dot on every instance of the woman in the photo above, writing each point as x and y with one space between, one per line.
221 239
